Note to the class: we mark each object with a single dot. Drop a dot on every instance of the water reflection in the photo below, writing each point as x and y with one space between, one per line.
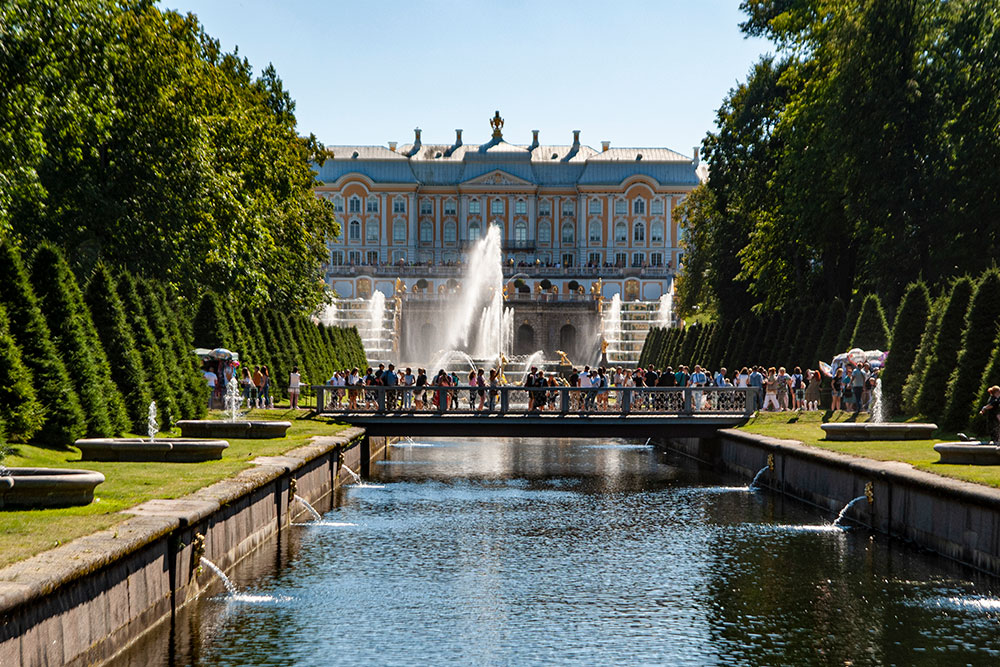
535 552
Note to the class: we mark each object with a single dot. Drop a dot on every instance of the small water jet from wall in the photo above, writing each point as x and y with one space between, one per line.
309 508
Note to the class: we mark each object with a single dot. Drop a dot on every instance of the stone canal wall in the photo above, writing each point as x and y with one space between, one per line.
959 520
82 603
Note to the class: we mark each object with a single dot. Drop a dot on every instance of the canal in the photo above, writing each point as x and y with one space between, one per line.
513 552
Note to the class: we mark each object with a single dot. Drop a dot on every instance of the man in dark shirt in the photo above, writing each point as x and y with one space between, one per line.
992 412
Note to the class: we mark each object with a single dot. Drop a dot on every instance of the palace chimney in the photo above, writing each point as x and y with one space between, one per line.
605 145
392 146
458 138
576 137
696 160
534 140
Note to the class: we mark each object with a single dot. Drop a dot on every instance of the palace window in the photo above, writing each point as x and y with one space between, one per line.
354 257
656 259
595 232
567 259
372 206
426 232
354 205
338 204
595 206
496 207
398 256
399 232
639 233
449 207
337 257
449 232
371 232
520 207
568 208
639 206
656 232
426 207
620 259
594 259
372 258
544 207
621 207
474 231
638 259
567 233
544 233
474 207
354 230
399 205
520 232
621 233
657 207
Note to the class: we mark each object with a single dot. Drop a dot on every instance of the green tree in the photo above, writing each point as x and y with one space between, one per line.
944 353
20 411
849 325
871 332
64 418
57 292
834 316
912 387
977 347
119 345
911 321
210 327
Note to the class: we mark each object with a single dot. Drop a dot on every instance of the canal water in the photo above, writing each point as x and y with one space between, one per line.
518 552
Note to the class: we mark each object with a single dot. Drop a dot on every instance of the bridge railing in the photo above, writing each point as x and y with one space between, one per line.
513 400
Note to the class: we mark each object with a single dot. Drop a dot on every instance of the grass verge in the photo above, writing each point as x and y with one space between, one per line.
805 427
24 533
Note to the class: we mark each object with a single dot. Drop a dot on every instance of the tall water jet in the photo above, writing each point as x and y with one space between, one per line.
233 399
533 359
376 320
664 314
152 428
611 327
327 315
877 409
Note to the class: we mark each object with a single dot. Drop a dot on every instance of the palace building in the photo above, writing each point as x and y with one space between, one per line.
567 213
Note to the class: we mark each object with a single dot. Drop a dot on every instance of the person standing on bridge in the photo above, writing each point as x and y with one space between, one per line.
756 382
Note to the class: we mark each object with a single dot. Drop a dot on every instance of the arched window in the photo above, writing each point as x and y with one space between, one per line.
399 232
354 230
474 207
521 232
371 231
656 232
567 208
520 207
372 205
544 232
426 232
399 205
545 207
496 207
449 232
354 204
621 207
426 207
567 233
639 233
639 206
474 231
338 204
621 233
595 231
595 206
337 257
449 207
657 207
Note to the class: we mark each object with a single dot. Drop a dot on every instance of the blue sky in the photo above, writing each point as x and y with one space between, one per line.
635 73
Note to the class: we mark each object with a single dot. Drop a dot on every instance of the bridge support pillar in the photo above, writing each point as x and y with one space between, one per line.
365 456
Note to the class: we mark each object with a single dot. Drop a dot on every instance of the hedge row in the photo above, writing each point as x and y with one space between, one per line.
87 360
945 351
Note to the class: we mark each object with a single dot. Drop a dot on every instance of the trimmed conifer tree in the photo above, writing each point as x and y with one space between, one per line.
911 321
871 332
64 419
179 379
56 288
160 383
20 410
834 315
210 327
119 345
944 353
912 386
977 348
850 323
187 361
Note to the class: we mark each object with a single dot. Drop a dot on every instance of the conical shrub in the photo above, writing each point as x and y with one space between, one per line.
977 348
210 327
835 314
944 355
912 386
849 325
119 345
911 321
189 364
156 319
20 410
871 332
55 286
64 418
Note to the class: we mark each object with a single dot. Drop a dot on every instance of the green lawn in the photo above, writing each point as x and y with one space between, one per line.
25 533
805 427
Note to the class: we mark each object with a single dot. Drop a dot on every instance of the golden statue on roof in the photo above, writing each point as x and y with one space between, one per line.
497 124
